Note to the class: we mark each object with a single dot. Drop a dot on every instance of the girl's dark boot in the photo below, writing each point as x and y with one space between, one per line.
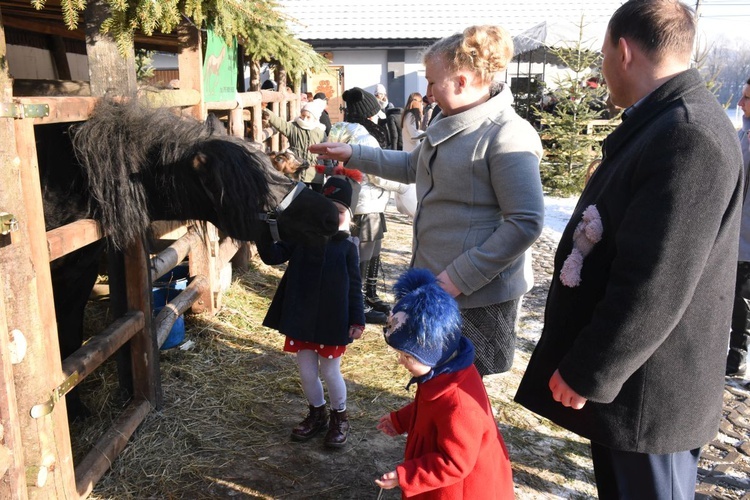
316 421
370 280
338 429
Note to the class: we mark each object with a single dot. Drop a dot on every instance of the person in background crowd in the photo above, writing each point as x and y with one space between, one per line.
429 110
318 307
411 121
634 346
325 119
478 245
382 96
302 132
453 445
740 327
268 85
360 128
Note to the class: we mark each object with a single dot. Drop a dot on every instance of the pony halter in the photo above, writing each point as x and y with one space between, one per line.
272 216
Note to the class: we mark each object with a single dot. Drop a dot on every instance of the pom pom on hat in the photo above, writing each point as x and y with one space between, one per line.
360 103
315 107
339 190
426 321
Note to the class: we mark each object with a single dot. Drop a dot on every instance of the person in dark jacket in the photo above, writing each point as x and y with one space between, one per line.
318 306
634 345
740 334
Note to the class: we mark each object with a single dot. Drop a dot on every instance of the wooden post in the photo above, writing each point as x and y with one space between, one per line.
144 349
190 62
41 447
203 260
46 438
12 484
12 475
109 70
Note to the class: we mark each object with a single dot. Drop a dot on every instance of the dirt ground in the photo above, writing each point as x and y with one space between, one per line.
232 397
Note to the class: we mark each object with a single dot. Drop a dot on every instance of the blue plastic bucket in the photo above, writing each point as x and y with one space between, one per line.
167 288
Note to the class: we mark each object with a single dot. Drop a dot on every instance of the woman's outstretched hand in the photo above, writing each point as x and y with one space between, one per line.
337 151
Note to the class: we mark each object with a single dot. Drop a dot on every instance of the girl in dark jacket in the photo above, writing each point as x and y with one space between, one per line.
318 305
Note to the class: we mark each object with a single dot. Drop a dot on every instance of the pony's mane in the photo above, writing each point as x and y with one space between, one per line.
127 151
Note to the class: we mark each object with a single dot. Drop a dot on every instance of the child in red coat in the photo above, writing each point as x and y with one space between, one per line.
454 448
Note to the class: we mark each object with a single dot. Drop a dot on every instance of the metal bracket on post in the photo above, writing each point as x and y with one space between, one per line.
8 223
58 393
20 111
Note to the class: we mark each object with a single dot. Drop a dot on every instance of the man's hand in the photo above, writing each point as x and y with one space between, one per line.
562 392
337 151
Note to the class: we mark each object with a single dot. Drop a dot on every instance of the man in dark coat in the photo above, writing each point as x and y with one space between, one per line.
634 345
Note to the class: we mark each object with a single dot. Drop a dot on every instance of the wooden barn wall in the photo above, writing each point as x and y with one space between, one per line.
35 63
162 77
29 56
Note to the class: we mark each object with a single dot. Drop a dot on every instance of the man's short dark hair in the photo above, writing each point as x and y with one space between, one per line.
658 27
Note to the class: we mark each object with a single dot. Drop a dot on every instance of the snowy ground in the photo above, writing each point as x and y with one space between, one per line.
557 211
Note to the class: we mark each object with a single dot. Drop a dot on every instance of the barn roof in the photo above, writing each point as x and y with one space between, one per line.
418 22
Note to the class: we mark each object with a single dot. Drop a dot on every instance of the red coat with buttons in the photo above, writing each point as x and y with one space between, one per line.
454 448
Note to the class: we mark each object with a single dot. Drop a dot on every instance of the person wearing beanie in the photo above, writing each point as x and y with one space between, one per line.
454 448
302 132
360 127
318 307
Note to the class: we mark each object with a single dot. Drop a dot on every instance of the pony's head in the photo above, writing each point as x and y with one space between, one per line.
147 164
307 217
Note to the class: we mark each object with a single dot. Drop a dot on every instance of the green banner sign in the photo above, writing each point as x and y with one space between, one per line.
219 70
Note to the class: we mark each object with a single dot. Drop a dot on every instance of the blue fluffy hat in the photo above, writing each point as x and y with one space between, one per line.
426 321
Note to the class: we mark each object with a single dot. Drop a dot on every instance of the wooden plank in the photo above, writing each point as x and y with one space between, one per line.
103 345
104 452
168 315
203 262
173 255
168 98
11 454
46 88
143 349
61 109
69 238
17 272
46 440
190 63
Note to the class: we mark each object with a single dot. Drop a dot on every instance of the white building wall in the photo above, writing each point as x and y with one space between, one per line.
414 80
362 68
36 64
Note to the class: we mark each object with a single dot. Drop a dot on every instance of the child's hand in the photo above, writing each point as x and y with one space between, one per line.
385 425
388 481
355 331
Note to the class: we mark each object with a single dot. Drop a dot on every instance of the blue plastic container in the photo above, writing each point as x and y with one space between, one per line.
164 290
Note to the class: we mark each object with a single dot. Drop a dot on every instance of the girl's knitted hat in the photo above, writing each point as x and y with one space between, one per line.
426 321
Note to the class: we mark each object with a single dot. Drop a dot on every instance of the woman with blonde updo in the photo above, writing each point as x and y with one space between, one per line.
480 203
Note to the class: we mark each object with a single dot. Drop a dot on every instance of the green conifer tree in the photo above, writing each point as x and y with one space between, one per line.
570 146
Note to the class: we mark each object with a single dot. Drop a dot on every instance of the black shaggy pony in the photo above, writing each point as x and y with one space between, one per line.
129 165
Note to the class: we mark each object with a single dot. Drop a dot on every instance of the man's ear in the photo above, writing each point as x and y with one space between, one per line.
624 52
